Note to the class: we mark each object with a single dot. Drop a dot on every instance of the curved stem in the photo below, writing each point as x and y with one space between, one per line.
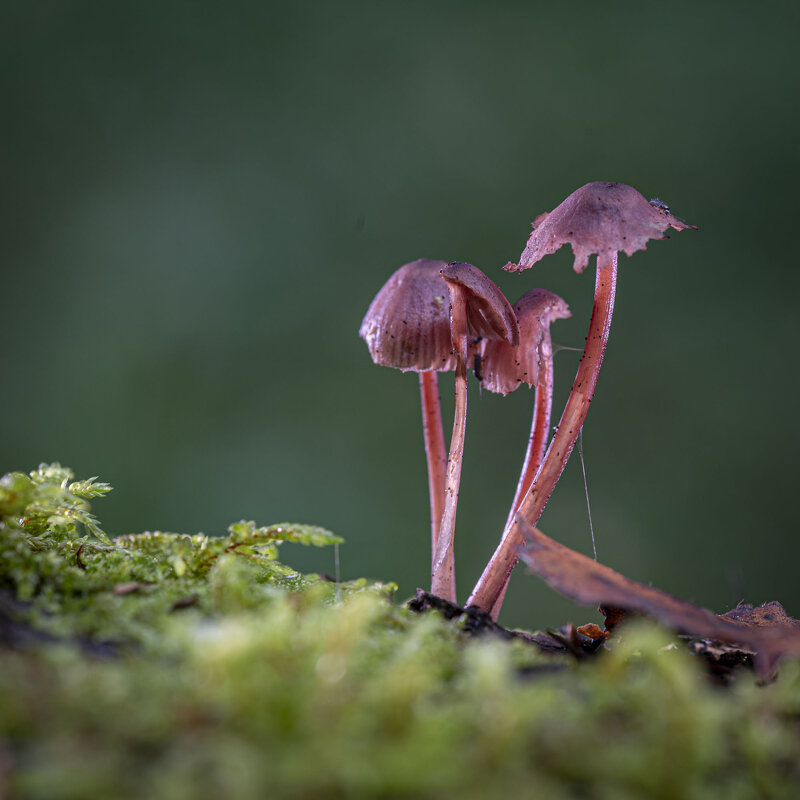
494 578
435 453
537 444
540 427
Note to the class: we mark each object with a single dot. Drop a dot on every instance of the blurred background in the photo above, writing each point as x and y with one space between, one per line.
199 201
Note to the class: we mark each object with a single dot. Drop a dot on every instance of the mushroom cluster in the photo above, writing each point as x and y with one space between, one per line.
433 316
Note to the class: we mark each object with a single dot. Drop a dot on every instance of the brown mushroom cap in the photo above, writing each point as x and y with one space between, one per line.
506 367
602 218
489 314
407 325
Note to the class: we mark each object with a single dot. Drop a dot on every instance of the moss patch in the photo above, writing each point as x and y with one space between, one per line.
162 665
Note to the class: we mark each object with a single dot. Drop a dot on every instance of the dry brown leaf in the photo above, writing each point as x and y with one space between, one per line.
768 631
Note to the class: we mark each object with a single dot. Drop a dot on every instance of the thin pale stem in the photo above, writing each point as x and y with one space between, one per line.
495 576
443 580
435 452
537 445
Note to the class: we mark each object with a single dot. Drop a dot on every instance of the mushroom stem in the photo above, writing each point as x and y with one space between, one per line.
443 580
537 444
435 452
540 427
495 577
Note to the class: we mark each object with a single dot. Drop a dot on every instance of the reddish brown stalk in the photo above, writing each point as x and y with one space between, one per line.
540 428
435 452
537 445
490 585
443 580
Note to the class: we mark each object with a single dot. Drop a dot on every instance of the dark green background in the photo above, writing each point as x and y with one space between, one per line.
199 201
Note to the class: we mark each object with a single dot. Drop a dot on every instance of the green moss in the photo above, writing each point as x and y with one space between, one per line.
162 665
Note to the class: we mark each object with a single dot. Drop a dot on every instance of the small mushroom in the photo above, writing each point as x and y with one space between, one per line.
407 326
504 369
600 218
478 309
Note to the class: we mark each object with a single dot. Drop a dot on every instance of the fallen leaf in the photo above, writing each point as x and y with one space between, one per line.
768 631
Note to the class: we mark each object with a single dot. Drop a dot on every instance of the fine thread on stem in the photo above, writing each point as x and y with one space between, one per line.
586 490
495 575
435 453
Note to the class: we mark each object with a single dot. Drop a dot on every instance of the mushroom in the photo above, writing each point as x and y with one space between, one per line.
407 326
600 218
478 309
505 368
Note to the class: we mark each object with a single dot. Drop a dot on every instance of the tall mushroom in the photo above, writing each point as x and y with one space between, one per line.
599 218
407 326
505 368
478 309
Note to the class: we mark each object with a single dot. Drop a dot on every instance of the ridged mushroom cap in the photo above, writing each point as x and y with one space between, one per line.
602 218
489 314
505 367
407 325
